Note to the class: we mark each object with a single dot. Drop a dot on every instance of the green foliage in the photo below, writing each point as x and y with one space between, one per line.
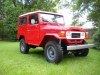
89 6
11 9
9 25
46 5
1 31
97 39
76 22
1 9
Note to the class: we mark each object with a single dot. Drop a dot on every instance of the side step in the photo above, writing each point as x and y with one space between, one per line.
77 47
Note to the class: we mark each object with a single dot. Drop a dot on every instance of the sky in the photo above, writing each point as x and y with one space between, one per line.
67 15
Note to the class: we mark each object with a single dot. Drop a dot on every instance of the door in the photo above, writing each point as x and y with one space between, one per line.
33 29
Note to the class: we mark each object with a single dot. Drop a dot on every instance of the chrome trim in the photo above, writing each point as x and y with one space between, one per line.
77 47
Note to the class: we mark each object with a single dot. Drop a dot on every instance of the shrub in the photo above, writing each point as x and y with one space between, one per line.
97 39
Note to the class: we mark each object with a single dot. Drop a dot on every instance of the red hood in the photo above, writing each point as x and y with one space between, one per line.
60 27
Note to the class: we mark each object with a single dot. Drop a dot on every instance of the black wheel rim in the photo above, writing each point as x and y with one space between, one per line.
51 52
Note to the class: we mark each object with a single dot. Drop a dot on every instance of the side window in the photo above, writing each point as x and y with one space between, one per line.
23 21
33 19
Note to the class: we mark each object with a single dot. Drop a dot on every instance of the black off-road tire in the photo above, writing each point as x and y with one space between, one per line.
83 52
24 48
56 53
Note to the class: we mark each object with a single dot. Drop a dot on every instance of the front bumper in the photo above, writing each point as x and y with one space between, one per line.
79 47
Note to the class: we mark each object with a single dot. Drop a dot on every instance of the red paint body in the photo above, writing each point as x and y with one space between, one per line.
42 32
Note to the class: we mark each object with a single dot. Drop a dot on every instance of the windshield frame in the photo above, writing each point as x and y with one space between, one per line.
52 22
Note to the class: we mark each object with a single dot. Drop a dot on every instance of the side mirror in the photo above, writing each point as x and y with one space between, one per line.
32 21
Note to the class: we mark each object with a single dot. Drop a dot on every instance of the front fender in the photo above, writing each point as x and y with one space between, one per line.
49 37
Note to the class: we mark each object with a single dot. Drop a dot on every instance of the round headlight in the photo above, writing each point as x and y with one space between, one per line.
68 34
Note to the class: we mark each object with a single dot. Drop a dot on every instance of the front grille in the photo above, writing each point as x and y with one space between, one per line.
75 35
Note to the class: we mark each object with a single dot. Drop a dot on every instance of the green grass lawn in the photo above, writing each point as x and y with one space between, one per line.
89 41
12 62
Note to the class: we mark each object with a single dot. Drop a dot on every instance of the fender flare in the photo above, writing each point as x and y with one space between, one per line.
55 35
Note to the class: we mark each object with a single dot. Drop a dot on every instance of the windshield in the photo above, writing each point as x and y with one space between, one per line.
52 18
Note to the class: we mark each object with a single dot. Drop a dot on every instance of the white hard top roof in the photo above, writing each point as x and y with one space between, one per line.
39 12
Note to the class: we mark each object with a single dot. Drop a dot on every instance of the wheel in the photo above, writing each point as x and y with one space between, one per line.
53 52
83 52
24 48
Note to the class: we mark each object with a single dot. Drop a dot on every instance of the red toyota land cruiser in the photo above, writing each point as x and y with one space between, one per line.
47 30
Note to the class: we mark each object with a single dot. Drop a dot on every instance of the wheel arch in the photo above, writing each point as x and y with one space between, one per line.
21 37
48 38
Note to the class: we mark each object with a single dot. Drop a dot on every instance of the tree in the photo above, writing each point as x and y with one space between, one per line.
1 9
89 6
31 5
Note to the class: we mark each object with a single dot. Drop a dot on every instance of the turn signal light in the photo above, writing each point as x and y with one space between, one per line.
86 35
62 33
